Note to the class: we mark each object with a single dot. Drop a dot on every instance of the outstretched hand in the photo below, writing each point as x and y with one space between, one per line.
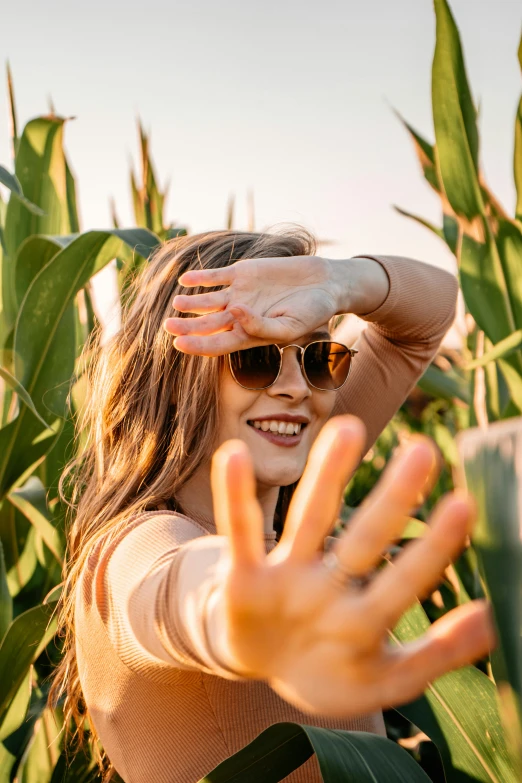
264 300
323 647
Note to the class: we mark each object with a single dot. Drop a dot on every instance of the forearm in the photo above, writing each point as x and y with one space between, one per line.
361 285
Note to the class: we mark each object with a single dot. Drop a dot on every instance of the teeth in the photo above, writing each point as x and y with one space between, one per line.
280 427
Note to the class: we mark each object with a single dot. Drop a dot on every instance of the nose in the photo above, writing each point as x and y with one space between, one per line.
291 384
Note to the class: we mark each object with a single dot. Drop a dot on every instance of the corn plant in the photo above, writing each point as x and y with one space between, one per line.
46 316
486 241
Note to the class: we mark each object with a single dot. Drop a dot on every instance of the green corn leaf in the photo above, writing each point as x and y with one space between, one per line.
484 286
451 231
77 769
11 182
517 160
425 154
423 222
513 382
508 241
137 201
22 447
455 119
34 253
39 760
21 645
22 393
492 469
72 206
447 385
41 170
18 541
500 350
6 602
12 108
459 713
44 342
348 756
16 713
30 500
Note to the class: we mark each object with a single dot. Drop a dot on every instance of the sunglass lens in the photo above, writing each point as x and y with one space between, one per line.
327 364
256 368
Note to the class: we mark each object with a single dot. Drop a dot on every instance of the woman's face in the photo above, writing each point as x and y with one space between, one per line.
278 460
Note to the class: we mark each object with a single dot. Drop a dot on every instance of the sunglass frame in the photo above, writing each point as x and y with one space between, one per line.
351 351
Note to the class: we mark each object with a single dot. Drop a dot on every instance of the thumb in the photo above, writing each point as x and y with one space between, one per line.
258 326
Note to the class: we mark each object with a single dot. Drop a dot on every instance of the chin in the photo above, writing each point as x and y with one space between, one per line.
275 476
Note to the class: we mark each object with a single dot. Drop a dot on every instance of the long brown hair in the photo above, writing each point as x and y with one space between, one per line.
148 423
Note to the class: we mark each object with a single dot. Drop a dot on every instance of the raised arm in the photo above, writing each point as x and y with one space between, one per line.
406 327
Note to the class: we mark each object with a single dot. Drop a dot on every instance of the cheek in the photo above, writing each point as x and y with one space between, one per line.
234 402
323 405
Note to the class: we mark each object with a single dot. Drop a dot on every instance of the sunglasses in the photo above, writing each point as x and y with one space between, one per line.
324 364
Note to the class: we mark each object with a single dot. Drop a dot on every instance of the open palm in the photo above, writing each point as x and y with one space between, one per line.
322 646
264 300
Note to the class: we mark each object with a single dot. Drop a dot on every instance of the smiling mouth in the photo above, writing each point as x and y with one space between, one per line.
286 429
279 433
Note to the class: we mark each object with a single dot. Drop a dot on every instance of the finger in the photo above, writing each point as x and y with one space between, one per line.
237 512
382 517
420 566
459 638
256 325
213 323
216 344
315 504
208 277
201 303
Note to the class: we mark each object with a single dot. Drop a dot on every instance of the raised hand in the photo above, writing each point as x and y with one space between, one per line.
264 300
286 619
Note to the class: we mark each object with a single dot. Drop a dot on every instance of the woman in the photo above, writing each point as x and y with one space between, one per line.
183 645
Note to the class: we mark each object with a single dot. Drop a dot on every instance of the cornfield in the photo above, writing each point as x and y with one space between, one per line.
467 726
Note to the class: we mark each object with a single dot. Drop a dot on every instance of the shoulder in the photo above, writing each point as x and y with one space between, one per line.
135 545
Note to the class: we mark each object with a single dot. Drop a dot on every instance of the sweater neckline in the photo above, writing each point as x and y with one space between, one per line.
207 522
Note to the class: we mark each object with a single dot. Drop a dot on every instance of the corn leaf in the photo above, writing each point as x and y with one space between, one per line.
425 154
350 756
422 221
447 385
16 713
21 392
460 715
11 182
40 168
484 286
454 118
30 500
517 159
508 241
492 469
6 602
20 646
500 350
44 342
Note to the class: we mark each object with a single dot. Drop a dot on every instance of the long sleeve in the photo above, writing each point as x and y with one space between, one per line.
151 589
400 341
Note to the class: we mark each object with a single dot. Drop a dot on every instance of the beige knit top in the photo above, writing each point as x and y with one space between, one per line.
164 707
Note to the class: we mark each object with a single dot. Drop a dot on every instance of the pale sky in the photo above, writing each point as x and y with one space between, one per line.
290 99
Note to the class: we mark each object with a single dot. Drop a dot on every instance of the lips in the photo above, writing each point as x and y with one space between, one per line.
280 431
